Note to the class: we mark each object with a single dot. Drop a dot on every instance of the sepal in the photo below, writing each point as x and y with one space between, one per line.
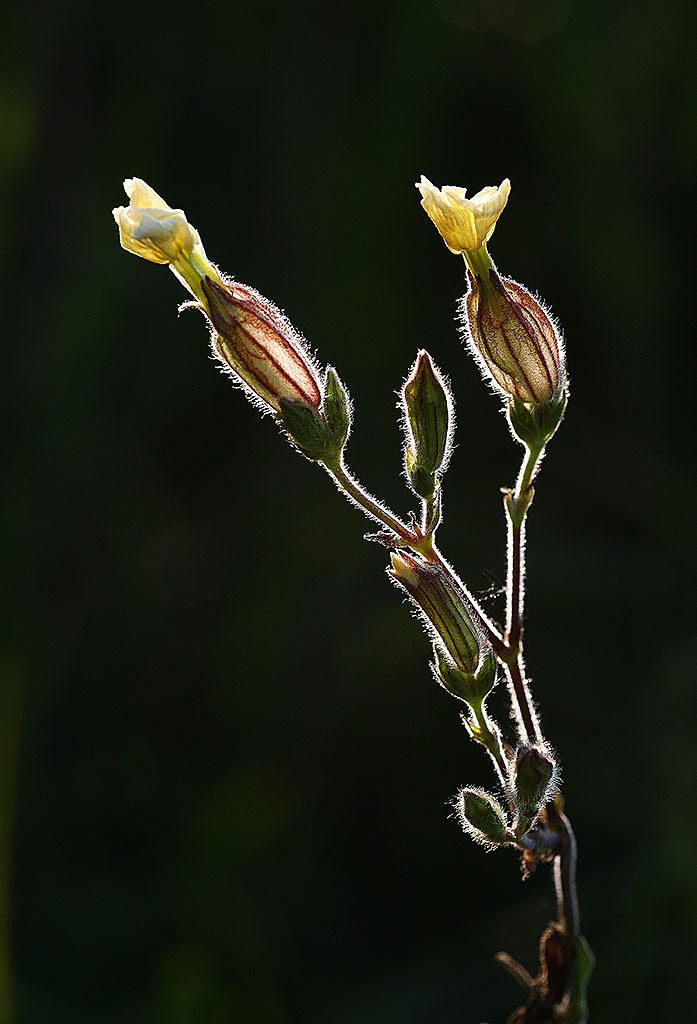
471 687
535 425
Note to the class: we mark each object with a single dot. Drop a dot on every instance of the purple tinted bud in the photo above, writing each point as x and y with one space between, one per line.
513 338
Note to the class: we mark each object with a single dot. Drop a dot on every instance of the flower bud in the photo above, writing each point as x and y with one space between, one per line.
428 422
444 611
532 778
482 817
464 224
254 340
513 338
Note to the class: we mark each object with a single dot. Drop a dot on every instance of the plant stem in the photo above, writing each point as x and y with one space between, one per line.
516 504
373 508
565 878
491 740
509 649
422 545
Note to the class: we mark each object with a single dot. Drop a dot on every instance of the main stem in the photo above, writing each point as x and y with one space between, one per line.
516 503
508 647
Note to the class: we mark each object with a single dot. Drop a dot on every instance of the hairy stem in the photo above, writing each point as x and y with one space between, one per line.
516 504
481 731
417 541
371 506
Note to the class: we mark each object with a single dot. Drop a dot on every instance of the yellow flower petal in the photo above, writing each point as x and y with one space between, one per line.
158 235
464 224
150 228
141 195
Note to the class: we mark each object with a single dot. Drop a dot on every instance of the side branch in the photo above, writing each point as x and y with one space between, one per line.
419 542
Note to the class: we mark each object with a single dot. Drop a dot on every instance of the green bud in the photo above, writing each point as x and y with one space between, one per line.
444 610
472 687
336 409
306 428
534 425
428 420
532 775
482 817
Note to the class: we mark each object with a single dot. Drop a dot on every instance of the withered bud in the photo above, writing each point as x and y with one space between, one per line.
260 346
445 611
513 338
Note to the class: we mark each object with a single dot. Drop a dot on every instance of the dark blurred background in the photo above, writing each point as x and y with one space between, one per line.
224 767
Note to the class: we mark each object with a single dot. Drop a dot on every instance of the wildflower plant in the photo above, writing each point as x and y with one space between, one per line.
519 349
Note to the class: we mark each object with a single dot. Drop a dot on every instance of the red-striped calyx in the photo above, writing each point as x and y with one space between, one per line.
514 339
261 347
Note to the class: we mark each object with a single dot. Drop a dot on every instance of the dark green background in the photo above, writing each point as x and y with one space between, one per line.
225 768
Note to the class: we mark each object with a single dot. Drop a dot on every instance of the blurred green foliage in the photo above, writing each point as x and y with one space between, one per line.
224 764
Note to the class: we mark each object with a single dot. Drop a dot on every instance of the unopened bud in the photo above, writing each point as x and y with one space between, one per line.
444 610
428 421
482 817
532 779
513 338
256 341
472 687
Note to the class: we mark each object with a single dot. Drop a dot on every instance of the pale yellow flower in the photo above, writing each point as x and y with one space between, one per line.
150 228
464 224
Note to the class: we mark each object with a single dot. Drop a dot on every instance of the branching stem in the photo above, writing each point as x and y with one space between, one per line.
508 647
371 506
516 504
422 544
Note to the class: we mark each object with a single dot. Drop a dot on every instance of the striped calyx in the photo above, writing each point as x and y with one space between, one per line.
261 347
445 610
513 338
